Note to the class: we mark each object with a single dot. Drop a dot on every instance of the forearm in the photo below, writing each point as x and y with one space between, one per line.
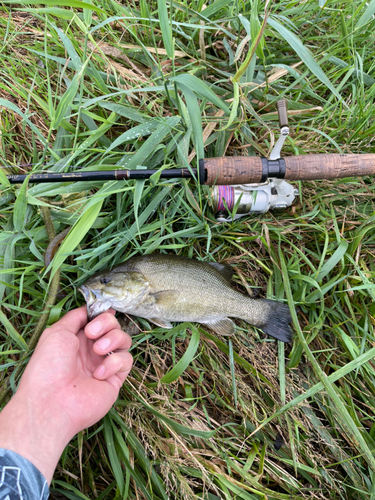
37 434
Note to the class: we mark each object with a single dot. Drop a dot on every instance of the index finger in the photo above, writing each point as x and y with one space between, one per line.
72 322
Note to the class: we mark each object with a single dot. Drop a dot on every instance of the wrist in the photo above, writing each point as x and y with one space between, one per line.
35 431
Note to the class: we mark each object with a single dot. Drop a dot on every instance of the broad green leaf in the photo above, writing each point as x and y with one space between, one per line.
215 7
7 365
61 13
75 495
134 133
76 235
166 28
332 261
20 207
95 135
12 332
138 190
360 233
66 3
3 178
303 53
112 455
123 454
147 149
367 15
256 30
87 15
320 292
367 79
237 488
195 118
201 89
66 101
69 47
185 361
127 111
234 106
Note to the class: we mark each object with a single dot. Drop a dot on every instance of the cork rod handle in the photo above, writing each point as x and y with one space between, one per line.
253 169
329 166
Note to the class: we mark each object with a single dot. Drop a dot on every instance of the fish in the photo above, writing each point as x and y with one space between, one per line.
168 288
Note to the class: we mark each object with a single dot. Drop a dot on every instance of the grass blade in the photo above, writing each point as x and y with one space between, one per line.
12 332
332 261
366 16
304 54
76 235
185 361
180 429
69 48
65 3
166 28
201 89
341 409
195 119
232 371
66 101
3 179
152 142
20 207
112 455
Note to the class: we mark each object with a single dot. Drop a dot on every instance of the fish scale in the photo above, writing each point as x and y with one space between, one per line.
168 288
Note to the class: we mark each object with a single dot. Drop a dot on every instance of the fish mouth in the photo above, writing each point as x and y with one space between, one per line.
95 305
90 298
86 293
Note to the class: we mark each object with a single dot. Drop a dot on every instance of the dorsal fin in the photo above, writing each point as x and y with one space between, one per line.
224 269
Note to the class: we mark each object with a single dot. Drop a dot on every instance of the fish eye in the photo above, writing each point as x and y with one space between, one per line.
104 280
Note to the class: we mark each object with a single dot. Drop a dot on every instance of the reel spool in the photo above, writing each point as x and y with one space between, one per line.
273 194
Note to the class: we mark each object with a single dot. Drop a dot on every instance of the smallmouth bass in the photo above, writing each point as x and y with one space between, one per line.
168 288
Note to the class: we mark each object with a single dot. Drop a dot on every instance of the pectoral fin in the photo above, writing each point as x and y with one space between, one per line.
164 297
162 322
222 326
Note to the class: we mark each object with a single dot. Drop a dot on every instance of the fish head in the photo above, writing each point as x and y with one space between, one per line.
111 289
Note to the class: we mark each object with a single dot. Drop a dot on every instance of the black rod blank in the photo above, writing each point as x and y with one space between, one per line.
109 175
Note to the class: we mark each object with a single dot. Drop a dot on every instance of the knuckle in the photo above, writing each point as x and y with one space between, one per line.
109 319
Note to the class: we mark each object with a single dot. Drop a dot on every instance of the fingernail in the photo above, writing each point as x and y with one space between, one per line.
100 371
103 344
95 328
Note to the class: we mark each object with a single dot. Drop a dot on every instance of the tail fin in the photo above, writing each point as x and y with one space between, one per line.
277 322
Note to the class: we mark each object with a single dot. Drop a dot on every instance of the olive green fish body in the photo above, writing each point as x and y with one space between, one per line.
165 289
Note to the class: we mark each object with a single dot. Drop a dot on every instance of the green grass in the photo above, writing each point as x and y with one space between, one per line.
118 84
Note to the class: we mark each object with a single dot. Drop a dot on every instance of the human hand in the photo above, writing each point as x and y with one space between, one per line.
69 369
68 385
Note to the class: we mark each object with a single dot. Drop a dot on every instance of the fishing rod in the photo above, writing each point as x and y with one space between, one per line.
233 170
102 175
254 183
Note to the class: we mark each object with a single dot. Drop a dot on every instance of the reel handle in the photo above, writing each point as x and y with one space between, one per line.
253 169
